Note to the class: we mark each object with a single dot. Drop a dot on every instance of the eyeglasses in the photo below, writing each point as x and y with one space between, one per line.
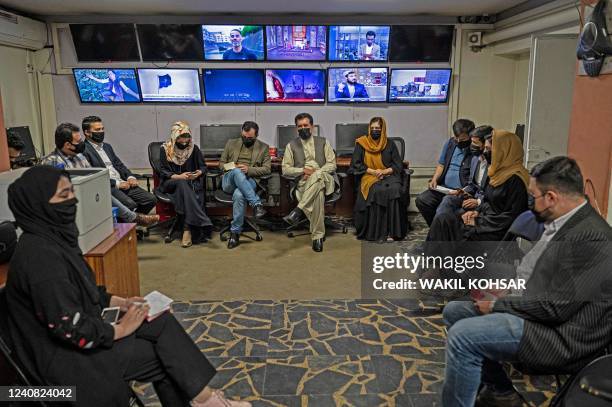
531 196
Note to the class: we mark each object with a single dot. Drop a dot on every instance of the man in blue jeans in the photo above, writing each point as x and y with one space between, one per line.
243 160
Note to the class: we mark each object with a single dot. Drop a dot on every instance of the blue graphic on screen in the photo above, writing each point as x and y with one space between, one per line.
170 85
233 86
107 85
233 42
296 42
358 84
295 85
419 85
358 43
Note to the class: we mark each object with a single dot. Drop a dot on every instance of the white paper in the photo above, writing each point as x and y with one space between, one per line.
157 302
442 189
229 166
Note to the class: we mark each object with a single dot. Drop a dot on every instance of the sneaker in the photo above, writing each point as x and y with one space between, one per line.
218 399
186 241
146 220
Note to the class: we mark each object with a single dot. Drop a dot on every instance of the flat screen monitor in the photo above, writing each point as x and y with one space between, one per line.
296 42
170 42
105 42
214 136
233 42
421 43
346 134
288 132
358 42
107 85
295 85
233 85
357 85
170 85
419 85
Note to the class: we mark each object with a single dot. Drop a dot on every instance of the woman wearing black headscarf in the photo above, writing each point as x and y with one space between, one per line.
55 313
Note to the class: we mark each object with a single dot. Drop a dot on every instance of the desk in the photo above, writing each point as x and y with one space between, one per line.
115 261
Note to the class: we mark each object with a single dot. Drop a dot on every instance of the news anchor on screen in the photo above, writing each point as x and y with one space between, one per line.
238 52
370 51
351 88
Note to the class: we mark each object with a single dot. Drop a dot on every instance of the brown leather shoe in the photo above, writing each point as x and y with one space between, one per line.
146 220
186 241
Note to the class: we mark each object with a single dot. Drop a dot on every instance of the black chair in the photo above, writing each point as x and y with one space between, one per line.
401 148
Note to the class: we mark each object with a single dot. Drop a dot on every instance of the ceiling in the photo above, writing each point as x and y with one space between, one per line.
245 7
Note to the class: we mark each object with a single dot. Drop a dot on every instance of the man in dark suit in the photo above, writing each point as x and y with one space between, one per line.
124 185
350 89
561 320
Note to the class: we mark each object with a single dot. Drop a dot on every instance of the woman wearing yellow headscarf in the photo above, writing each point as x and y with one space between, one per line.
505 195
181 172
380 209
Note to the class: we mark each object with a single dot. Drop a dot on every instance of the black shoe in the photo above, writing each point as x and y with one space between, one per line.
233 241
317 245
489 398
259 211
294 217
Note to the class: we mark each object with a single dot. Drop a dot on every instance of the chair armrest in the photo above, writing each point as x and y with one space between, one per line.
143 176
291 177
342 174
213 174
265 177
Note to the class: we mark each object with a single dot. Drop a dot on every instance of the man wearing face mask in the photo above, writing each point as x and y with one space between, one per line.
313 159
451 171
100 154
244 160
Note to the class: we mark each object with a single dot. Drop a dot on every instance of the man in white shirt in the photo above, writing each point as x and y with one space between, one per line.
370 51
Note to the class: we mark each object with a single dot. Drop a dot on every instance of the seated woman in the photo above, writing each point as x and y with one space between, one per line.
181 172
381 207
54 310
505 195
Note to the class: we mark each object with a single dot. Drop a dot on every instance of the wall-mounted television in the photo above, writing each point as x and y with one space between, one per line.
170 42
296 42
117 85
421 43
233 85
233 42
419 85
170 85
105 42
357 84
295 85
358 42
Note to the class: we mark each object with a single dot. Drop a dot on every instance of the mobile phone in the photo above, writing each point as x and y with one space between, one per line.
111 315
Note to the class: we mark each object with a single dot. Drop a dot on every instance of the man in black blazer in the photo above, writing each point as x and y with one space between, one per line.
561 320
124 185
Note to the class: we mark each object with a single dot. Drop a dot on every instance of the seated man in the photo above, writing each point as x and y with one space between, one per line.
124 185
243 160
560 323
15 147
313 159
472 194
451 170
68 153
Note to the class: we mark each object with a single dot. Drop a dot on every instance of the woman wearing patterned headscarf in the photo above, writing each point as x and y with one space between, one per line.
182 178
380 209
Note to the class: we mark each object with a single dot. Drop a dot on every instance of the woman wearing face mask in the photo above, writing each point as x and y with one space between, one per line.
380 209
54 310
181 173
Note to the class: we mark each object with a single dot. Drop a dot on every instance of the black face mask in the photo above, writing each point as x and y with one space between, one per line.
375 134
79 148
464 144
540 217
248 141
487 155
181 146
475 150
66 210
97 136
304 133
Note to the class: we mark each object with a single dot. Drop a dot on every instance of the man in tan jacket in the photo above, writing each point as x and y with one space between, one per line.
244 159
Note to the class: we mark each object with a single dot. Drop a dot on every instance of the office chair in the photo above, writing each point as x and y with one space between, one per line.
401 148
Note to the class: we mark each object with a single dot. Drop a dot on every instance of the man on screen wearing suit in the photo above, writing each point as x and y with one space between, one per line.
124 185
350 89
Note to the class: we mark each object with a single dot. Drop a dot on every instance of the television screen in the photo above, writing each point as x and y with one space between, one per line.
359 84
419 85
295 85
296 42
105 42
421 43
358 43
233 42
233 85
107 85
170 42
170 85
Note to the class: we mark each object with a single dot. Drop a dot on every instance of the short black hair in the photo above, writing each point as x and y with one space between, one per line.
559 173
14 141
304 116
248 125
482 132
463 126
63 134
371 33
86 123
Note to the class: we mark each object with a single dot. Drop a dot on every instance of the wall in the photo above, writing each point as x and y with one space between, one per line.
520 94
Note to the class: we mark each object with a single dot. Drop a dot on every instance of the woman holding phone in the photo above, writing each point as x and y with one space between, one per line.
182 177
